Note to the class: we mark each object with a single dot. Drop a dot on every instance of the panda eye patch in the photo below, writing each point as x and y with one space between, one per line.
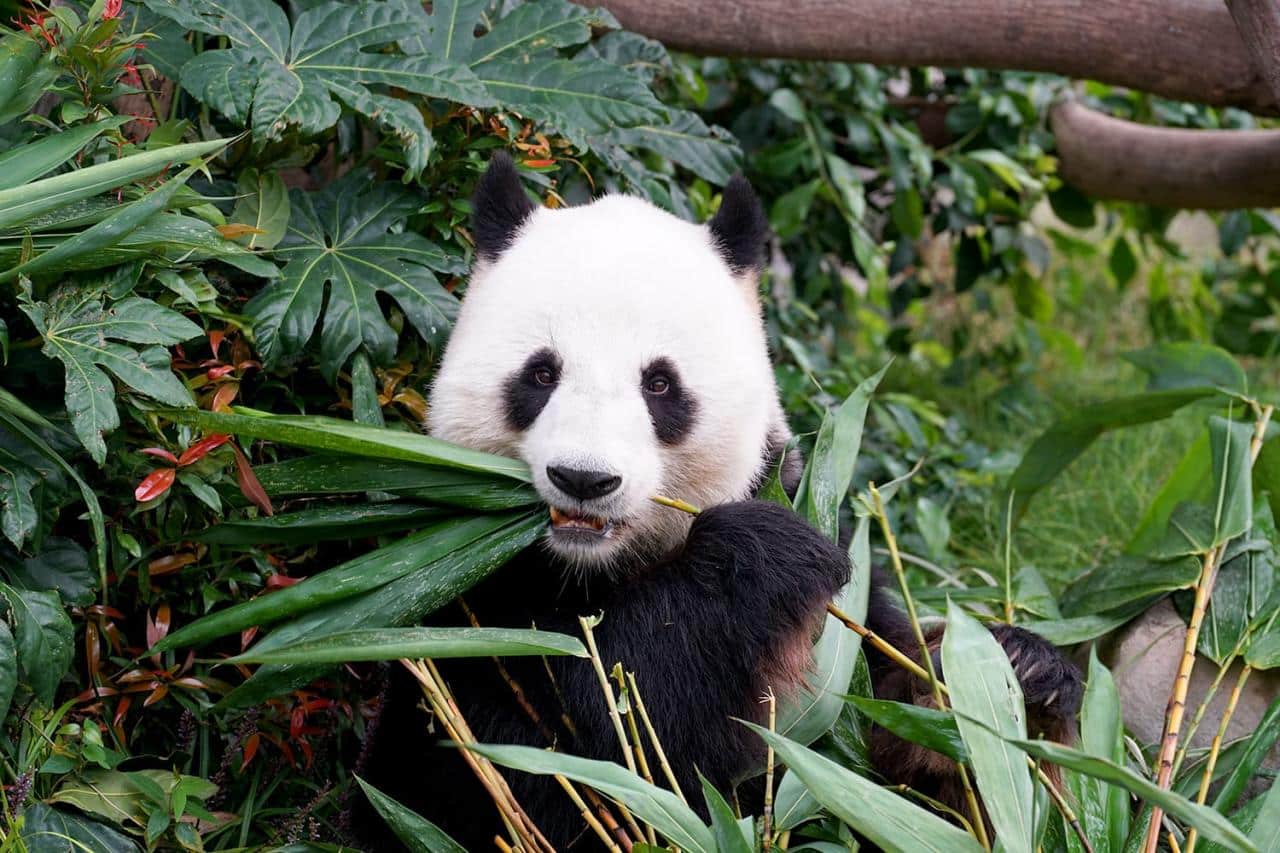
528 389
672 408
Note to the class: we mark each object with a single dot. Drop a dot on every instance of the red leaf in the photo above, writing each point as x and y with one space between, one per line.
216 373
122 708
202 448
250 749
156 695
215 339
249 484
155 484
247 635
160 452
538 164
171 563
223 397
159 627
281 581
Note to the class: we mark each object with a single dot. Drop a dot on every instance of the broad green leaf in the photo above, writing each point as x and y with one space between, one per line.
1174 366
1211 824
928 727
395 643
88 336
18 205
43 636
724 825
322 523
1122 262
370 571
658 807
24 163
262 203
1053 451
1103 809
1068 632
1191 480
8 668
19 512
1265 834
835 452
274 75
1242 590
417 833
60 565
709 152
793 804
1256 750
812 710
530 29
335 436
49 830
18 58
345 246
888 820
322 474
121 797
1125 580
984 687
404 601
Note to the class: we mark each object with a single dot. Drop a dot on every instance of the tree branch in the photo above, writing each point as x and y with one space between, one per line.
1109 158
1258 22
1183 49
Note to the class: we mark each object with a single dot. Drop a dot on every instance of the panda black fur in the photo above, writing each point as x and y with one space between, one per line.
620 352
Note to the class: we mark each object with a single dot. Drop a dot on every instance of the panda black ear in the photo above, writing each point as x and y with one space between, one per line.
740 227
499 207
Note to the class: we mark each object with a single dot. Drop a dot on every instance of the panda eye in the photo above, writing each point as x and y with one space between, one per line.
544 376
657 385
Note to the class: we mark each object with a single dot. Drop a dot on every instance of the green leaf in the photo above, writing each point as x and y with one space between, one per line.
60 565
8 669
1079 629
262 203
379 567
1052 452
888 820
707 151
19 512
322 524
1266 826
18 57
1122 262
724 824
658 807
810 712
335 436
83 333
404 601
1103 808
326 475
43 636
274 76
365 408
24 163
1256 750
395 643
20 204
49 830
928 727
793 804
1072 207
1174 366
1124 580
1242 590
835 453
345 246
983 687
418 834
528 30
1212 825
1191 480
121 797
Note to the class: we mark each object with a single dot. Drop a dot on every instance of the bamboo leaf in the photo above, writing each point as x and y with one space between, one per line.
724 825
418 834
395 643
24 163
928 727
321 524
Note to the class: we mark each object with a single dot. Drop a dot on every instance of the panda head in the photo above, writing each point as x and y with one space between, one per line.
620 352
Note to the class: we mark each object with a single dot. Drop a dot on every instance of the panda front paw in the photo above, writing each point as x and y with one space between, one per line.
771 545
1052 685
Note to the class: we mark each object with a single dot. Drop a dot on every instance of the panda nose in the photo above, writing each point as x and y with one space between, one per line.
583 485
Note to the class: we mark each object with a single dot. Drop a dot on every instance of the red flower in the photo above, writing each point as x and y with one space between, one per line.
112 9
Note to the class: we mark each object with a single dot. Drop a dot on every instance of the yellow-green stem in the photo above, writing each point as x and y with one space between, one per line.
1216 747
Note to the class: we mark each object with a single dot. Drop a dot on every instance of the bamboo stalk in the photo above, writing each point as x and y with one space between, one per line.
895 559
653 738
607 818
1201 710
675 503
1207 777
1178 696
585 811
767 830
636 744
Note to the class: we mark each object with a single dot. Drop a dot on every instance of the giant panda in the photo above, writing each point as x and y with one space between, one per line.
620 352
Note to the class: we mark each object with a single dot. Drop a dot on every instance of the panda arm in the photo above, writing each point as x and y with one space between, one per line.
708 632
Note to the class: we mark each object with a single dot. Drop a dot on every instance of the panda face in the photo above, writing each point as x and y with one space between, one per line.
614 349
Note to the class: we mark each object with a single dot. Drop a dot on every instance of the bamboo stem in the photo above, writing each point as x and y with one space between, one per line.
767 829
675 503
1201 710
607 818
1207 777
1061 803
1178 696
590 818
653 738
636 744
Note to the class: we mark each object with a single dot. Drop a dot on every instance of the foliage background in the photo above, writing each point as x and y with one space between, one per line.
311 263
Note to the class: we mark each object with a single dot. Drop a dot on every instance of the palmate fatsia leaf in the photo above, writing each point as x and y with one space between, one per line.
91 338
275 75
344 239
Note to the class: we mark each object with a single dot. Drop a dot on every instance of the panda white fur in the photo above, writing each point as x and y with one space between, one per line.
621 353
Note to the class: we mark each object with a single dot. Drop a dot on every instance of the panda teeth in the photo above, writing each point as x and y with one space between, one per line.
562 520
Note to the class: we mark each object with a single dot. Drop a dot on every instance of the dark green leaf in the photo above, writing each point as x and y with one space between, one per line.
8 668
418 834
1124 580
395 643
61 565
1072 207
724 825
1122 262
43 636
19 512
24 163
1257 748
322 524
263 204
49 830
1176 366
928 727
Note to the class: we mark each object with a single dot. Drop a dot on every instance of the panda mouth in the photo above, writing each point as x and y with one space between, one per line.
579 524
